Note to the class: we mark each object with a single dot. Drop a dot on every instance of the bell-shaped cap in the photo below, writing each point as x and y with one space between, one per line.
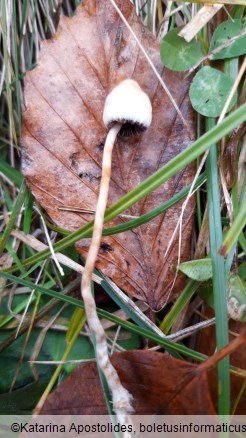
129 105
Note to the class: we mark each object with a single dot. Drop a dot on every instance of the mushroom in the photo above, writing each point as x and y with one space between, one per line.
127 112
128 105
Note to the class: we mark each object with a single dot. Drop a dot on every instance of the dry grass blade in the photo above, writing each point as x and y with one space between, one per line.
211 362
227 196
218 49
40 246
211 2
238 342
203 16
40 340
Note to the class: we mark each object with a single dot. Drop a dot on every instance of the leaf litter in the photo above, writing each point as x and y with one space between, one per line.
172 386
63 137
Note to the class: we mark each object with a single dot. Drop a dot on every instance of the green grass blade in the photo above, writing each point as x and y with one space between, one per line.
178 306
219 283
198 193
16 210
55 375
176 347
131 312
17 309
28 213
17 93
15 257
234 231
11 173
154 181
129 225
104 383
6 56
24 15
42 313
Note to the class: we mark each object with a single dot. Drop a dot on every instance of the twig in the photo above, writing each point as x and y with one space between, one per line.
217 50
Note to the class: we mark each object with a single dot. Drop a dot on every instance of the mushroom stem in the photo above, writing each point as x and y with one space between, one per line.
120 396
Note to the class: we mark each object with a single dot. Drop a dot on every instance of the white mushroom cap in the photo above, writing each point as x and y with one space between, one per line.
129 105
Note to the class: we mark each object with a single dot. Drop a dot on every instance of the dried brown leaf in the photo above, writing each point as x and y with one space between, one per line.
63 137
237 358
151 377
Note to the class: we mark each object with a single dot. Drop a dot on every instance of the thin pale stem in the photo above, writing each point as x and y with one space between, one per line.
120 396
